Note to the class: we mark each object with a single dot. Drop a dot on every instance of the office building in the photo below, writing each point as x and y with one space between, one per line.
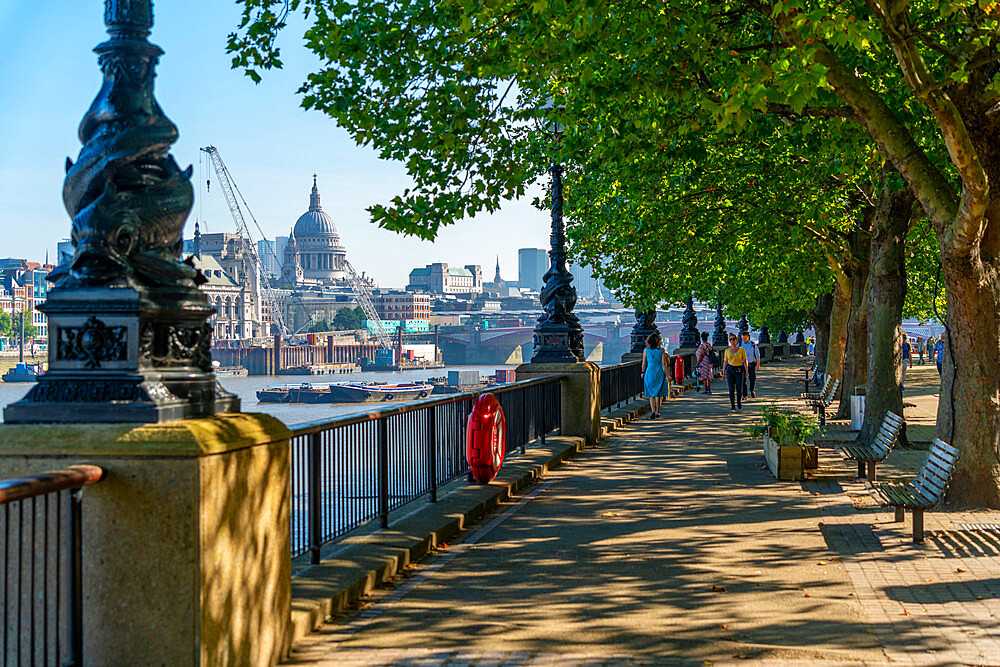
532 263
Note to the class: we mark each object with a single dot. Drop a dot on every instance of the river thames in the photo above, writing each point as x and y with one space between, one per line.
246 388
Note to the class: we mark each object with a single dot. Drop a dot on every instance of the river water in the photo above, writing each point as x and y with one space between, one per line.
246 388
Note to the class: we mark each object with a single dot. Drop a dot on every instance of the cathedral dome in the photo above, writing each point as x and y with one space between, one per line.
315 222
313 253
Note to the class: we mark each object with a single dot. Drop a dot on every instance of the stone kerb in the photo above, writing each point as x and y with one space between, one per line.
581 396
185 543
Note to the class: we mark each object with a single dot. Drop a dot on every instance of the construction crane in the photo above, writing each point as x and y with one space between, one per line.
269 296
364 295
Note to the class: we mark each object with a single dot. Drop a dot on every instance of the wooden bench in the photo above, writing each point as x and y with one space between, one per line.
808 379
822 403
878 449
815 395
924 492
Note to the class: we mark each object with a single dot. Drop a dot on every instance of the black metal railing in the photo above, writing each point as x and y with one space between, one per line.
352 470
620 384
40 564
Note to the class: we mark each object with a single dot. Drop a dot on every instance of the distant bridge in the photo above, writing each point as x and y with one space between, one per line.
513 345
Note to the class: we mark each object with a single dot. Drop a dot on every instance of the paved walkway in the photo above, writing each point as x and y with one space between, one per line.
670 543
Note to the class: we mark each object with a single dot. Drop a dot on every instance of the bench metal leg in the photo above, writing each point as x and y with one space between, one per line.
918 526
822 415
871 471
899 514
861 469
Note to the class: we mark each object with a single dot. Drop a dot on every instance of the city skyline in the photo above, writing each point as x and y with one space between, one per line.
271 146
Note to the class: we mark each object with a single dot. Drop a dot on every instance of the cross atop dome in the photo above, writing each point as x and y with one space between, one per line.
314 197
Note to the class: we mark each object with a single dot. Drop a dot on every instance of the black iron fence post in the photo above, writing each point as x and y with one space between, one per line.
74 579
544 422
432 454
524 419
315 497
383 470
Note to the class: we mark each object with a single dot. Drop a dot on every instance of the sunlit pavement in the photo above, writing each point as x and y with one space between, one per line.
671 543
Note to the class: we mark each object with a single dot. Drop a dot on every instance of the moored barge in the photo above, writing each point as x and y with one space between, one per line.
343 392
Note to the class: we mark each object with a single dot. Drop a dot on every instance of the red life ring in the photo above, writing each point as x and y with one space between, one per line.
679 370
486 438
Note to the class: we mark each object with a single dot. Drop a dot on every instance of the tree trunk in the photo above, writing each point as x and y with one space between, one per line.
838 328
969 409
821 326
886 292
856 348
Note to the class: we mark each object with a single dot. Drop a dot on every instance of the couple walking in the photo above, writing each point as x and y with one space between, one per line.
740 364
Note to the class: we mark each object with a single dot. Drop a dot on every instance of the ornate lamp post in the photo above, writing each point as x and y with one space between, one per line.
689 332
765 335
645 324
744 324
719 337
129 337
558 336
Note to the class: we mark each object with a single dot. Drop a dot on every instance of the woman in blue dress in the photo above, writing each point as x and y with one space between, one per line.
655 365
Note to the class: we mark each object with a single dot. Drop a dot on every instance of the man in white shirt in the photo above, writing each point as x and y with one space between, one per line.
753 363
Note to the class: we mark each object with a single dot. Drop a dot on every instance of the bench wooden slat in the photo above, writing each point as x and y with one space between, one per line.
945 446
888 432
931 482
895 495
943 467
938 467
889 435
917 495
884 441
940 454
923 496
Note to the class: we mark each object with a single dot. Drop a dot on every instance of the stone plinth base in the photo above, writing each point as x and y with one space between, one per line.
581 396
186 541
631 356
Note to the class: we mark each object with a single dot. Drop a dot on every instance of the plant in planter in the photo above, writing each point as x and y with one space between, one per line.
785 433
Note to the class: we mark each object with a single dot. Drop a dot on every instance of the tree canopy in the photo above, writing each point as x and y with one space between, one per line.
452 89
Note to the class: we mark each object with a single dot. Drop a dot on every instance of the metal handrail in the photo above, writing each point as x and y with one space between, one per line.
31 486
398 454
22 635
413 406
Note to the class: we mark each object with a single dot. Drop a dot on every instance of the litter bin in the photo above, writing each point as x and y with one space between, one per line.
857 408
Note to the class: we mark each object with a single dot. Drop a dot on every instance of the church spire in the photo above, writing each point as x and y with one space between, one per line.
496 278
197 240
314 197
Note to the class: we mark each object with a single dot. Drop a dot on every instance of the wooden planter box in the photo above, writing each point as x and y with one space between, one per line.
790 462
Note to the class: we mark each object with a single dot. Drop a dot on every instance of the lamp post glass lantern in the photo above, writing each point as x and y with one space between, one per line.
558 336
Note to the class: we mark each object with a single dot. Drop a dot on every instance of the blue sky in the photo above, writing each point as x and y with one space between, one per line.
49 75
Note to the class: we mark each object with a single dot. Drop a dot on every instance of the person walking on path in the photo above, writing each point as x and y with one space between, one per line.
703 362
906 362
920 351
753 365
939 352
930 348
734 368
655 371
